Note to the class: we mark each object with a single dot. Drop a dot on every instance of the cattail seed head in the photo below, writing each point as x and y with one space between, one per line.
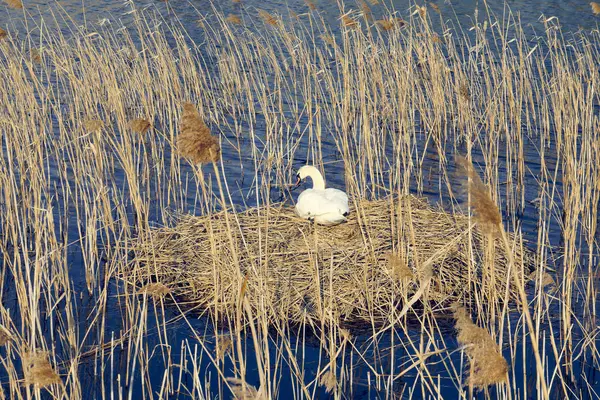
195 141
487 365
348 21
595 7
139 125
268 18
38 371
17 4
486 211
233 19
93 125
3 33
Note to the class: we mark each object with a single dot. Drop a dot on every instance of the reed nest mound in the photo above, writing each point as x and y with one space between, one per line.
359 271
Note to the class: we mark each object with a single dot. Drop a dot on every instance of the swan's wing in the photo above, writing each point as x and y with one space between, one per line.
337 200
312 203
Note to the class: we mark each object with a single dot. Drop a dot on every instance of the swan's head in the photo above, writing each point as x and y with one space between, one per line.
310 171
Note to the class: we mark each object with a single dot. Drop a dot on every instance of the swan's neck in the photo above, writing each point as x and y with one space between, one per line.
317 178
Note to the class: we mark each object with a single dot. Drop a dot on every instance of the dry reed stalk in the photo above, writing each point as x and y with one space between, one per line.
234 19
595 7
18 4
38 371
3 33
487 366
268 18
140 125
194 140
435 7
486 211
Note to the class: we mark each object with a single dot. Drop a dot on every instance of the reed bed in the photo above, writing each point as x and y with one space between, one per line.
95 300
297 270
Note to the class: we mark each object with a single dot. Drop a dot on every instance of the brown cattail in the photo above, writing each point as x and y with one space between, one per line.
93 125
3 33
267 18
327 38
487 365
14 3
385 24
38 371
348 21
486 211
388 24
398 268
366 11
139 125
464 91
328 380
195 141
36 56
547 279
233 19
595 7
435 8
421 10
155 289
225 344
242 391
5 336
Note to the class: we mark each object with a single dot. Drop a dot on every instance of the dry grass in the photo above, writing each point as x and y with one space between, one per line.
3 33
194 256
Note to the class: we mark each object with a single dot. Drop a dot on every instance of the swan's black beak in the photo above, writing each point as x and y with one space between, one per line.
298 181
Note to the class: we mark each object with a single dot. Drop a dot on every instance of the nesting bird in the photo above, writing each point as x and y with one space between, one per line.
324 206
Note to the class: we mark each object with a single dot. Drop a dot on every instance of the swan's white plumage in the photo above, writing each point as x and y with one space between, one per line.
325 206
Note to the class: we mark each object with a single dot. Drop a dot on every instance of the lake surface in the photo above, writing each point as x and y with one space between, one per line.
239 170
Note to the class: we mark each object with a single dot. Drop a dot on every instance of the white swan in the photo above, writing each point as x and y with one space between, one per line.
324 206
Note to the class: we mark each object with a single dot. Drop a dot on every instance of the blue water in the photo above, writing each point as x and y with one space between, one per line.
97 15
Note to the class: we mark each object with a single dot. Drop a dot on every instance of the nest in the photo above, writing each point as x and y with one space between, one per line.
359 271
